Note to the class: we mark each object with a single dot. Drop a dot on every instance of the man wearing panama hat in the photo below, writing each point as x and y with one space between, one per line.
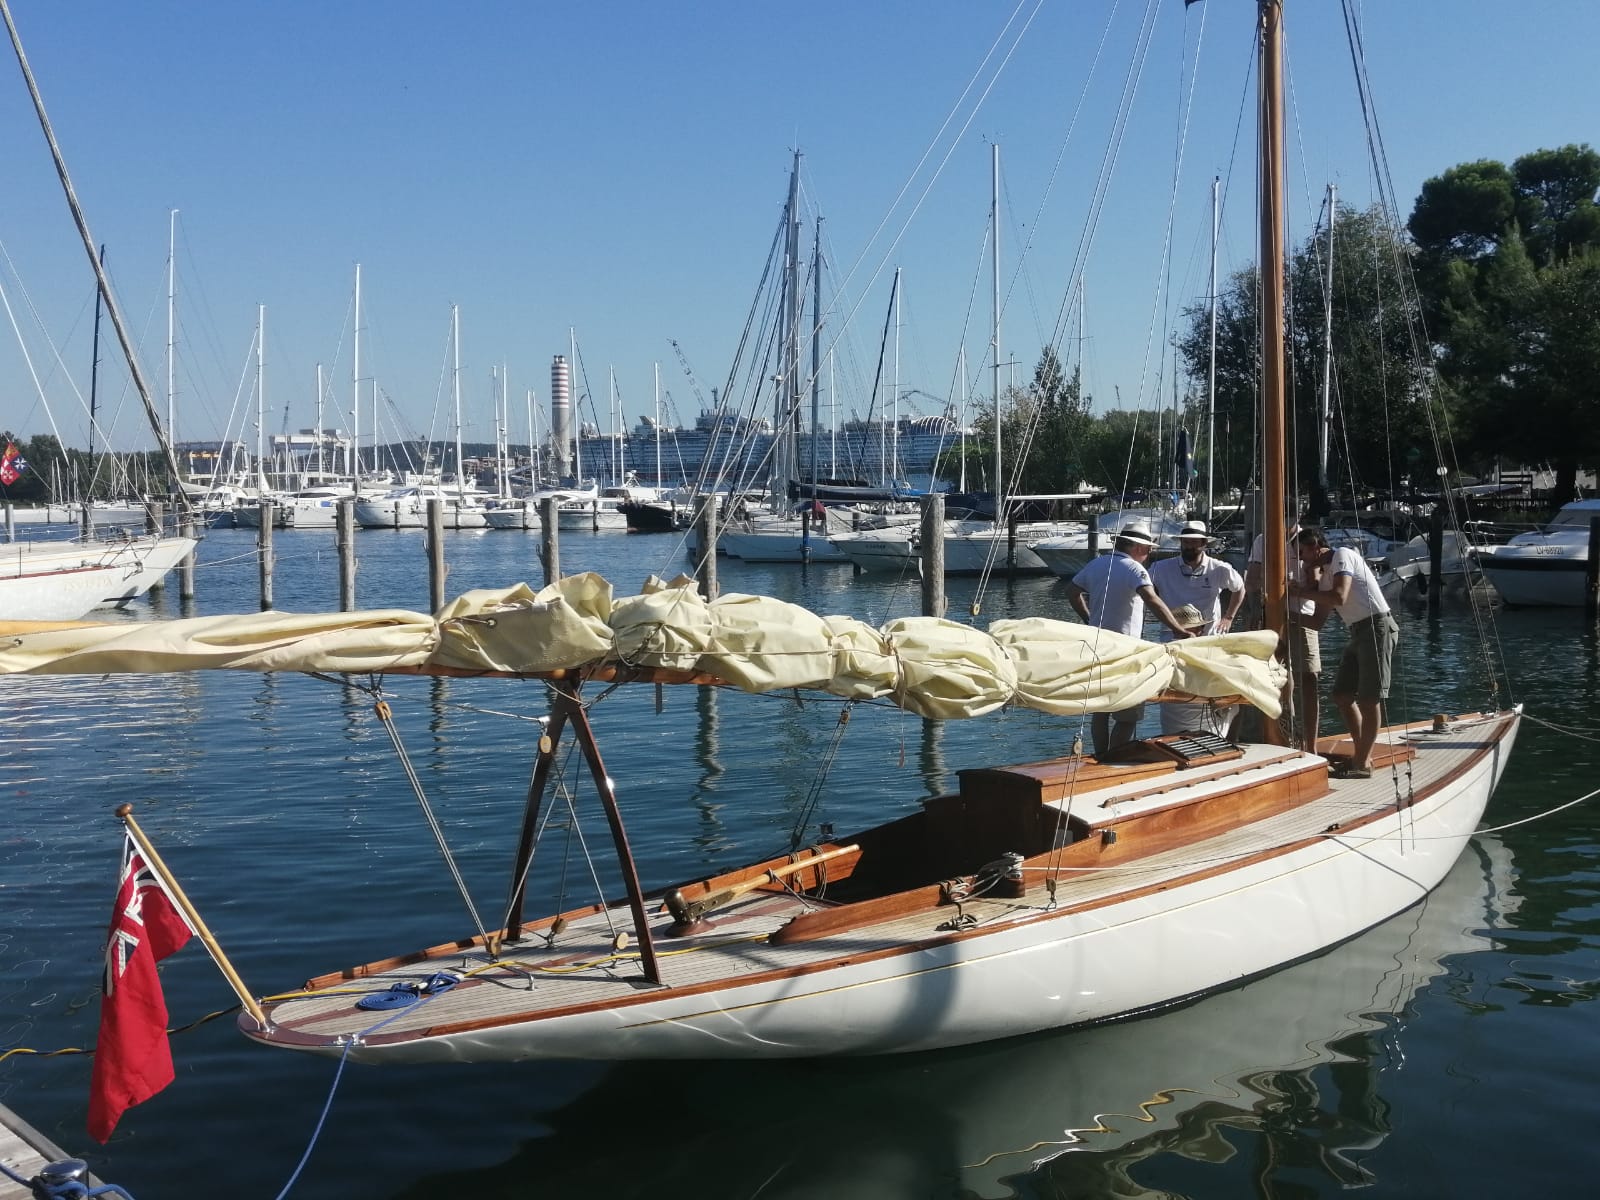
1194 577
1111 592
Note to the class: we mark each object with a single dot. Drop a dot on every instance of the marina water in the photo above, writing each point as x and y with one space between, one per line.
1446 1053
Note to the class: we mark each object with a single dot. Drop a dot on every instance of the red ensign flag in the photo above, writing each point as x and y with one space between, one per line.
132 1060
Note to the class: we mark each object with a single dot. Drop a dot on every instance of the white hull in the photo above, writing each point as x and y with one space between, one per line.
1236 906
1536 576
779 546
880 550
412 513
1544 569
591 516
990 550
1065 556
514 515
126 569
63 594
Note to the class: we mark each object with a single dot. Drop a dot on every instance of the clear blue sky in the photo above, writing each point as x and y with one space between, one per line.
619 169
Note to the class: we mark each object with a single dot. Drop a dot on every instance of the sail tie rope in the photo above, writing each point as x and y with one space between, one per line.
385 717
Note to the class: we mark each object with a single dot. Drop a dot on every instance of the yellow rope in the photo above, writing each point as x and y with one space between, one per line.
221 1012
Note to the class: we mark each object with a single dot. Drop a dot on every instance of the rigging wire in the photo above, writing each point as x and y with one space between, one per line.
385 717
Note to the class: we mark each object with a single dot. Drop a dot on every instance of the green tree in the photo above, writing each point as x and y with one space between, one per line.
1379 430
1378 400
1044 426
1545 407
1238 376
1503 253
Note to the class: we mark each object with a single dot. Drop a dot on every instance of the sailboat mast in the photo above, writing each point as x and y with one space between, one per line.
355 391
1325 416
1273 366
994 218
1211 359
94 368
893 472
961 370
455 389
172 324
180 497
658 422
783 462
261 400
816 355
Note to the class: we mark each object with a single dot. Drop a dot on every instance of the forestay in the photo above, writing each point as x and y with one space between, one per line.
929 666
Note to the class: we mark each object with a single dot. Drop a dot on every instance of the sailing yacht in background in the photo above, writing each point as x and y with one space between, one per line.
406 507
54 578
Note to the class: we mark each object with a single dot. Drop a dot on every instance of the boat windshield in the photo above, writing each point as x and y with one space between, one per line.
1573 516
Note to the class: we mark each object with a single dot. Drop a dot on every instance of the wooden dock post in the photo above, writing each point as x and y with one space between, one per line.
186 567
345 523
550 539
264 544
1435 559
1591 571
705 561
932 538
1011 543
435 548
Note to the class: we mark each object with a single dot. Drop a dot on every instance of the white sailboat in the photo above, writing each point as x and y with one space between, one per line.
1040 895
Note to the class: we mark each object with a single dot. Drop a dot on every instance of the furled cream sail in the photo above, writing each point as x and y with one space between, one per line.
929 666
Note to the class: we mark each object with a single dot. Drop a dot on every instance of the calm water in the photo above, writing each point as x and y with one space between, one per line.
1447 1053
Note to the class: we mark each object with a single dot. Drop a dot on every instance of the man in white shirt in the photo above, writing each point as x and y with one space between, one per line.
1111 592
1301 646
1194 577
1348 586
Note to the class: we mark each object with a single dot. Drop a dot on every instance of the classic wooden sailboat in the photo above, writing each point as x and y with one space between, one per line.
1039 895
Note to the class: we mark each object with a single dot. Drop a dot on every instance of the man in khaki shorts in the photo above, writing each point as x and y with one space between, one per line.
1346 585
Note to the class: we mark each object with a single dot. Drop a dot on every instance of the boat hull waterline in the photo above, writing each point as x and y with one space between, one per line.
1203 917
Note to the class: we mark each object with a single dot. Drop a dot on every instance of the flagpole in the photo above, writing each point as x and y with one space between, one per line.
190 914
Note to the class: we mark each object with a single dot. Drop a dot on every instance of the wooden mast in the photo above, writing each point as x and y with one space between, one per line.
1275 505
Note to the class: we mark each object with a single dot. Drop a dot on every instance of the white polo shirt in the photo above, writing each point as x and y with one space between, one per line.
1113 582
1366 594
1202 585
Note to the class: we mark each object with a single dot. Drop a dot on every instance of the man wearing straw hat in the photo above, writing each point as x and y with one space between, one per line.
1194 577
1111 592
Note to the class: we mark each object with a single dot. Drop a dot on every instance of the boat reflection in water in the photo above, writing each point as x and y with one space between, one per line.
1088 1112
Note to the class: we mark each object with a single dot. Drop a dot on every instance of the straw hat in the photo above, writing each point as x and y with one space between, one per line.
1138 534
1188 616
1193 529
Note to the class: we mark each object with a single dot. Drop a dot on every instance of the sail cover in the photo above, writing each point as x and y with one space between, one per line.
929 666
